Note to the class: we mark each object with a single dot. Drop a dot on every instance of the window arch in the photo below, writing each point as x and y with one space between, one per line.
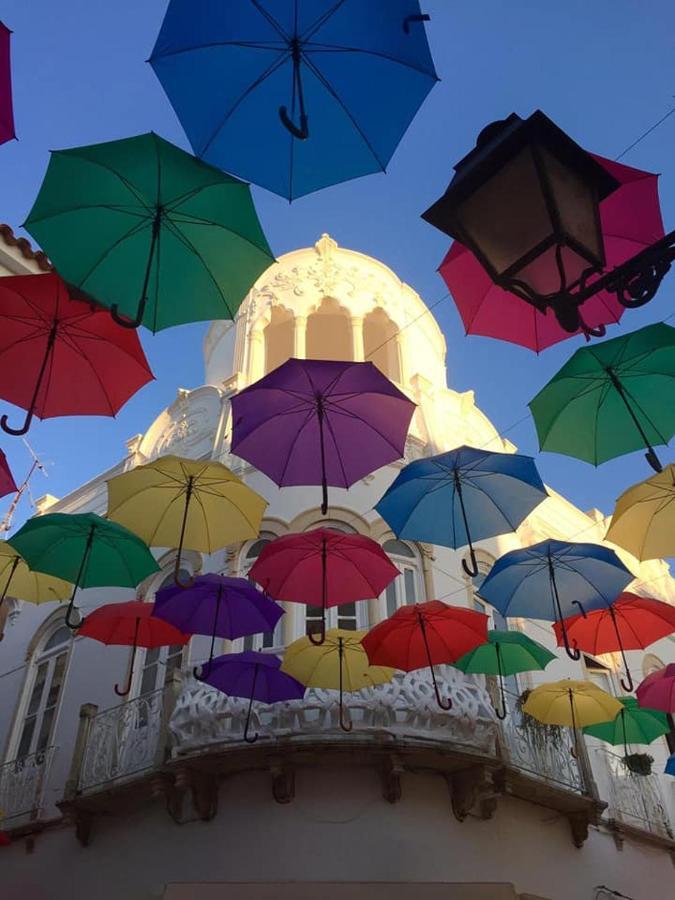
279 337
267 639
381 343
329 332
406 589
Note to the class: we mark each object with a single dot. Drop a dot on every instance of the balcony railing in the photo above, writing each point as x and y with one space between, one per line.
636 800
22 788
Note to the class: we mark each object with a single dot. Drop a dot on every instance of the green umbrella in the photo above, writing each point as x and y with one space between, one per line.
506 653
611 398
633 725
143 227
84 549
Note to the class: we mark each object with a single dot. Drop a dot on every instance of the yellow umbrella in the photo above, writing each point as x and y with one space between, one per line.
644 518
17 580
340 663
186 504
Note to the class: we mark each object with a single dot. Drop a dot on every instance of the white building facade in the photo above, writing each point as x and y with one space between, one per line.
158 796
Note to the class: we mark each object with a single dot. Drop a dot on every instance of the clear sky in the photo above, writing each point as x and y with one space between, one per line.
603 70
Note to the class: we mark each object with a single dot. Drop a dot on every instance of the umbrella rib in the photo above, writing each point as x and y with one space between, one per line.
194 220
337 48
173 228
323 18
270 19
125 181
120 240
208 45
296 437
338 455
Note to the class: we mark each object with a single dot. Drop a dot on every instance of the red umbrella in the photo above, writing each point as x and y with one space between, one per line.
631 220
130 625
630 623
60 356
426 634
7 483
657 691
323 567
6 113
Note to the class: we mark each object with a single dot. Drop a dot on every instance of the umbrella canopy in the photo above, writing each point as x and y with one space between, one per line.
84 549
505 653
17 580
554 580
426 634
133 625
6 110
643 521
295 96
657 691
7 483
323 567
632 725
630 623
253 676
339 664
314 421
185 503
148 230
60 356
611 398
462 496
219 606
670 765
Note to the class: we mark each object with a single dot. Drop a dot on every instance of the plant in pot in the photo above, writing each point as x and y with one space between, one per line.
638 763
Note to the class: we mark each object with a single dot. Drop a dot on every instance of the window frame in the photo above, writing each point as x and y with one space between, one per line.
256 642
408 562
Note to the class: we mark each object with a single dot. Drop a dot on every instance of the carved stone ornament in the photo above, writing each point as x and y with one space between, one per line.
283 781
474 790
579 822
392 769
187 427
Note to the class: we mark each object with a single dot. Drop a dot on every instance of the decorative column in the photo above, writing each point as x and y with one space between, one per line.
290 624
87 713
256 353
357 338
300 337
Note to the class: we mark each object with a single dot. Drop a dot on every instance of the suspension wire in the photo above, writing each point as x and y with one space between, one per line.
645 134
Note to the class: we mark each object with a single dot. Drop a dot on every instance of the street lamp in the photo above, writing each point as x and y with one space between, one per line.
526 202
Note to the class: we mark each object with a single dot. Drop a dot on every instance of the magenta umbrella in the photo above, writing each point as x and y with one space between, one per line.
657 691
6 112
7 483
631 220
315 421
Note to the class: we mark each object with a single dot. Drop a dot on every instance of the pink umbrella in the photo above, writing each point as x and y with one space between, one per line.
631 220
7 483
657 691
6 114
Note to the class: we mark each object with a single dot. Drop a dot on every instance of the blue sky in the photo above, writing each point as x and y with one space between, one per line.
604 71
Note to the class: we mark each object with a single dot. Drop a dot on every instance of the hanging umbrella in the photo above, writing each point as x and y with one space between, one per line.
146 229
505 653
323 567
7 483
611 398
576 578
253 676
462 496
35 587
185 503
632 725
630 623
643 521
84 549
60 356
426 634
295 96
219 606
339 664
657 691
631 220
130 625
315 421
6 111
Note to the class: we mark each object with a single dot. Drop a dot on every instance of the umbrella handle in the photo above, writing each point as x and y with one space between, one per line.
574 654
301 133
127 687
322 635
423 17
628 685
17 432
653 460
71 604
140 311
128 323
501 713
588 331
650 455
581 608
251 739
471 570
439 699
345 726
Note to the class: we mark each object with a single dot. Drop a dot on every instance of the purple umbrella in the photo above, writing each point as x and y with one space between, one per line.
219 606
257 676
314 421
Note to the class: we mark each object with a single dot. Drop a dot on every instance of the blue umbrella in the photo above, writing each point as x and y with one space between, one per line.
670 765
462 496
554 580
292 95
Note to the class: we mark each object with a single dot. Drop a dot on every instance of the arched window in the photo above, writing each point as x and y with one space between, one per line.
407 588
350 616
267 639
159 661
43 691
380 343
279 338
329 332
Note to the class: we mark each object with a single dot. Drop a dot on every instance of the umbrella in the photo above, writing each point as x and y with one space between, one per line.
219 606
146 229
60 356
426 634
255 676
35 587
84 549
632 725
462 496
631 220
339 664
576 577
185 503
611 398
657 691
7 483
670 765
6 112
630 623
323 567
643 521
130 625
295 96
314 421
506 653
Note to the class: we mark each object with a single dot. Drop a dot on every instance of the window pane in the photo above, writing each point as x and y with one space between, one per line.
60 636
312 619
346 616
398 548
390 598
57 679
268 639
149 679
248 642
26 737
38 688
45 730
409 581
499 620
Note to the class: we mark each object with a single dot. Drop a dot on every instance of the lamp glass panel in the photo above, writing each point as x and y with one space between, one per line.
576 201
